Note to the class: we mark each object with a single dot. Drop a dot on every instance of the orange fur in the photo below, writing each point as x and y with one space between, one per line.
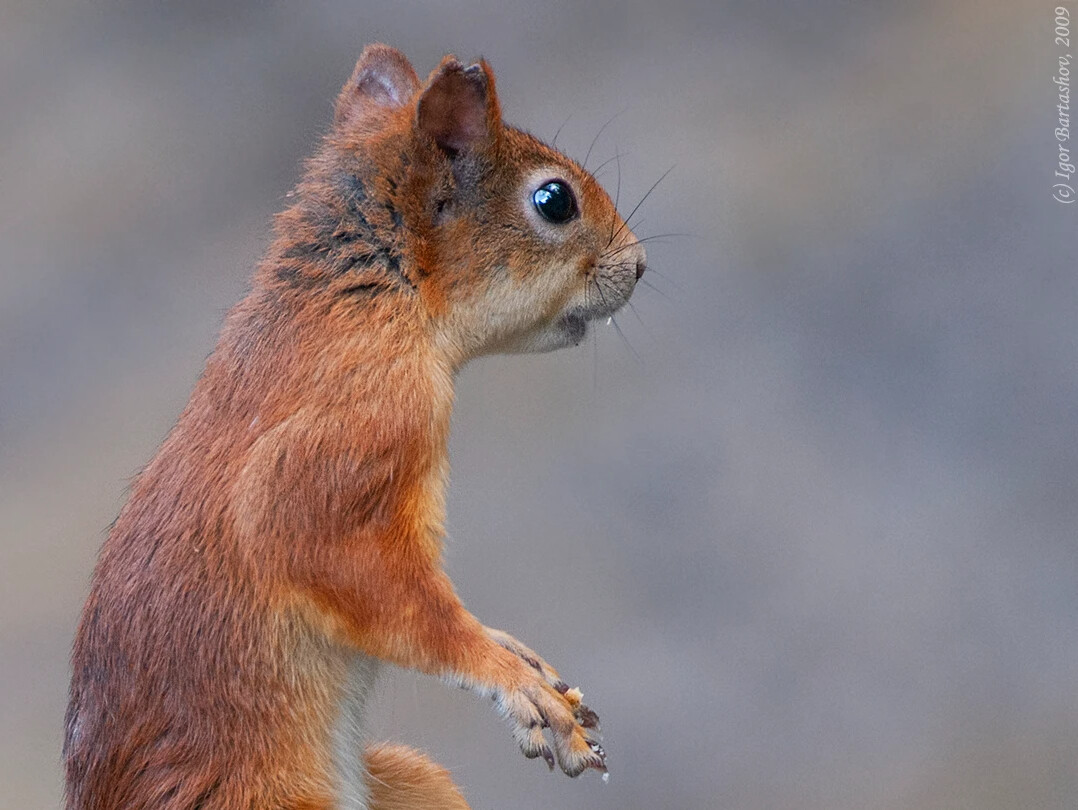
287 534
400 778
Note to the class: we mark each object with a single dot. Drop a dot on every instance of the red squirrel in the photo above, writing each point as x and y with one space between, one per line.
286 537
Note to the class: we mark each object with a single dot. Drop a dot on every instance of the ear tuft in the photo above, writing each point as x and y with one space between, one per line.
383 77
459 107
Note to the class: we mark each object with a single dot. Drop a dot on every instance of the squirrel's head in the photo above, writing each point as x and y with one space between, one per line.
507 244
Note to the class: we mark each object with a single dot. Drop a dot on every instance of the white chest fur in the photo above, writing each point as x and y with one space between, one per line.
349 739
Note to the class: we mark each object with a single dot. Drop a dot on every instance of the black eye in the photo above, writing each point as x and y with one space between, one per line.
555 202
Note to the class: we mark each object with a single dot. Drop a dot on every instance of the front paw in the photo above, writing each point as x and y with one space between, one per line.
536 705
585 716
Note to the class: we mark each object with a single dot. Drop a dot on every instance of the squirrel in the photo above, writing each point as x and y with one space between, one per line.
287 536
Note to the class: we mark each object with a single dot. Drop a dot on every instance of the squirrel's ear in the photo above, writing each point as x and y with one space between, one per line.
459 107
383 77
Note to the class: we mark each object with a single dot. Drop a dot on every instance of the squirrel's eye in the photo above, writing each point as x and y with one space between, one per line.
555 202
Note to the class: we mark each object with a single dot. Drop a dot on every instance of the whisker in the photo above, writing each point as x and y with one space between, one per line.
625 340
644 325
594 344
617 196
619 269
665 277
666 236
651 286
599 288
600 132
636 208
595 359
608 161
554 140
628 245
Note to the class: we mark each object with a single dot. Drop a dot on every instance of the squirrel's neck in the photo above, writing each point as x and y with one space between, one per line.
344 234
335 318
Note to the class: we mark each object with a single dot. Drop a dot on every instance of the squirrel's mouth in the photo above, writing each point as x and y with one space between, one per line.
575 321
575 324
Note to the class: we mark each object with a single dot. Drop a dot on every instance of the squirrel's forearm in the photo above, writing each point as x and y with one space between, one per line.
403 609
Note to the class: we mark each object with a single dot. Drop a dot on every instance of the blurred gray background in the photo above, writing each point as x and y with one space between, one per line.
807 541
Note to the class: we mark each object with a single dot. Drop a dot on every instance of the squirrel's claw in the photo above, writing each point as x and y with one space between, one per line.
587 718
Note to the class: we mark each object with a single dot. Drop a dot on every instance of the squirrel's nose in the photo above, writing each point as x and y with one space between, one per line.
641 266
